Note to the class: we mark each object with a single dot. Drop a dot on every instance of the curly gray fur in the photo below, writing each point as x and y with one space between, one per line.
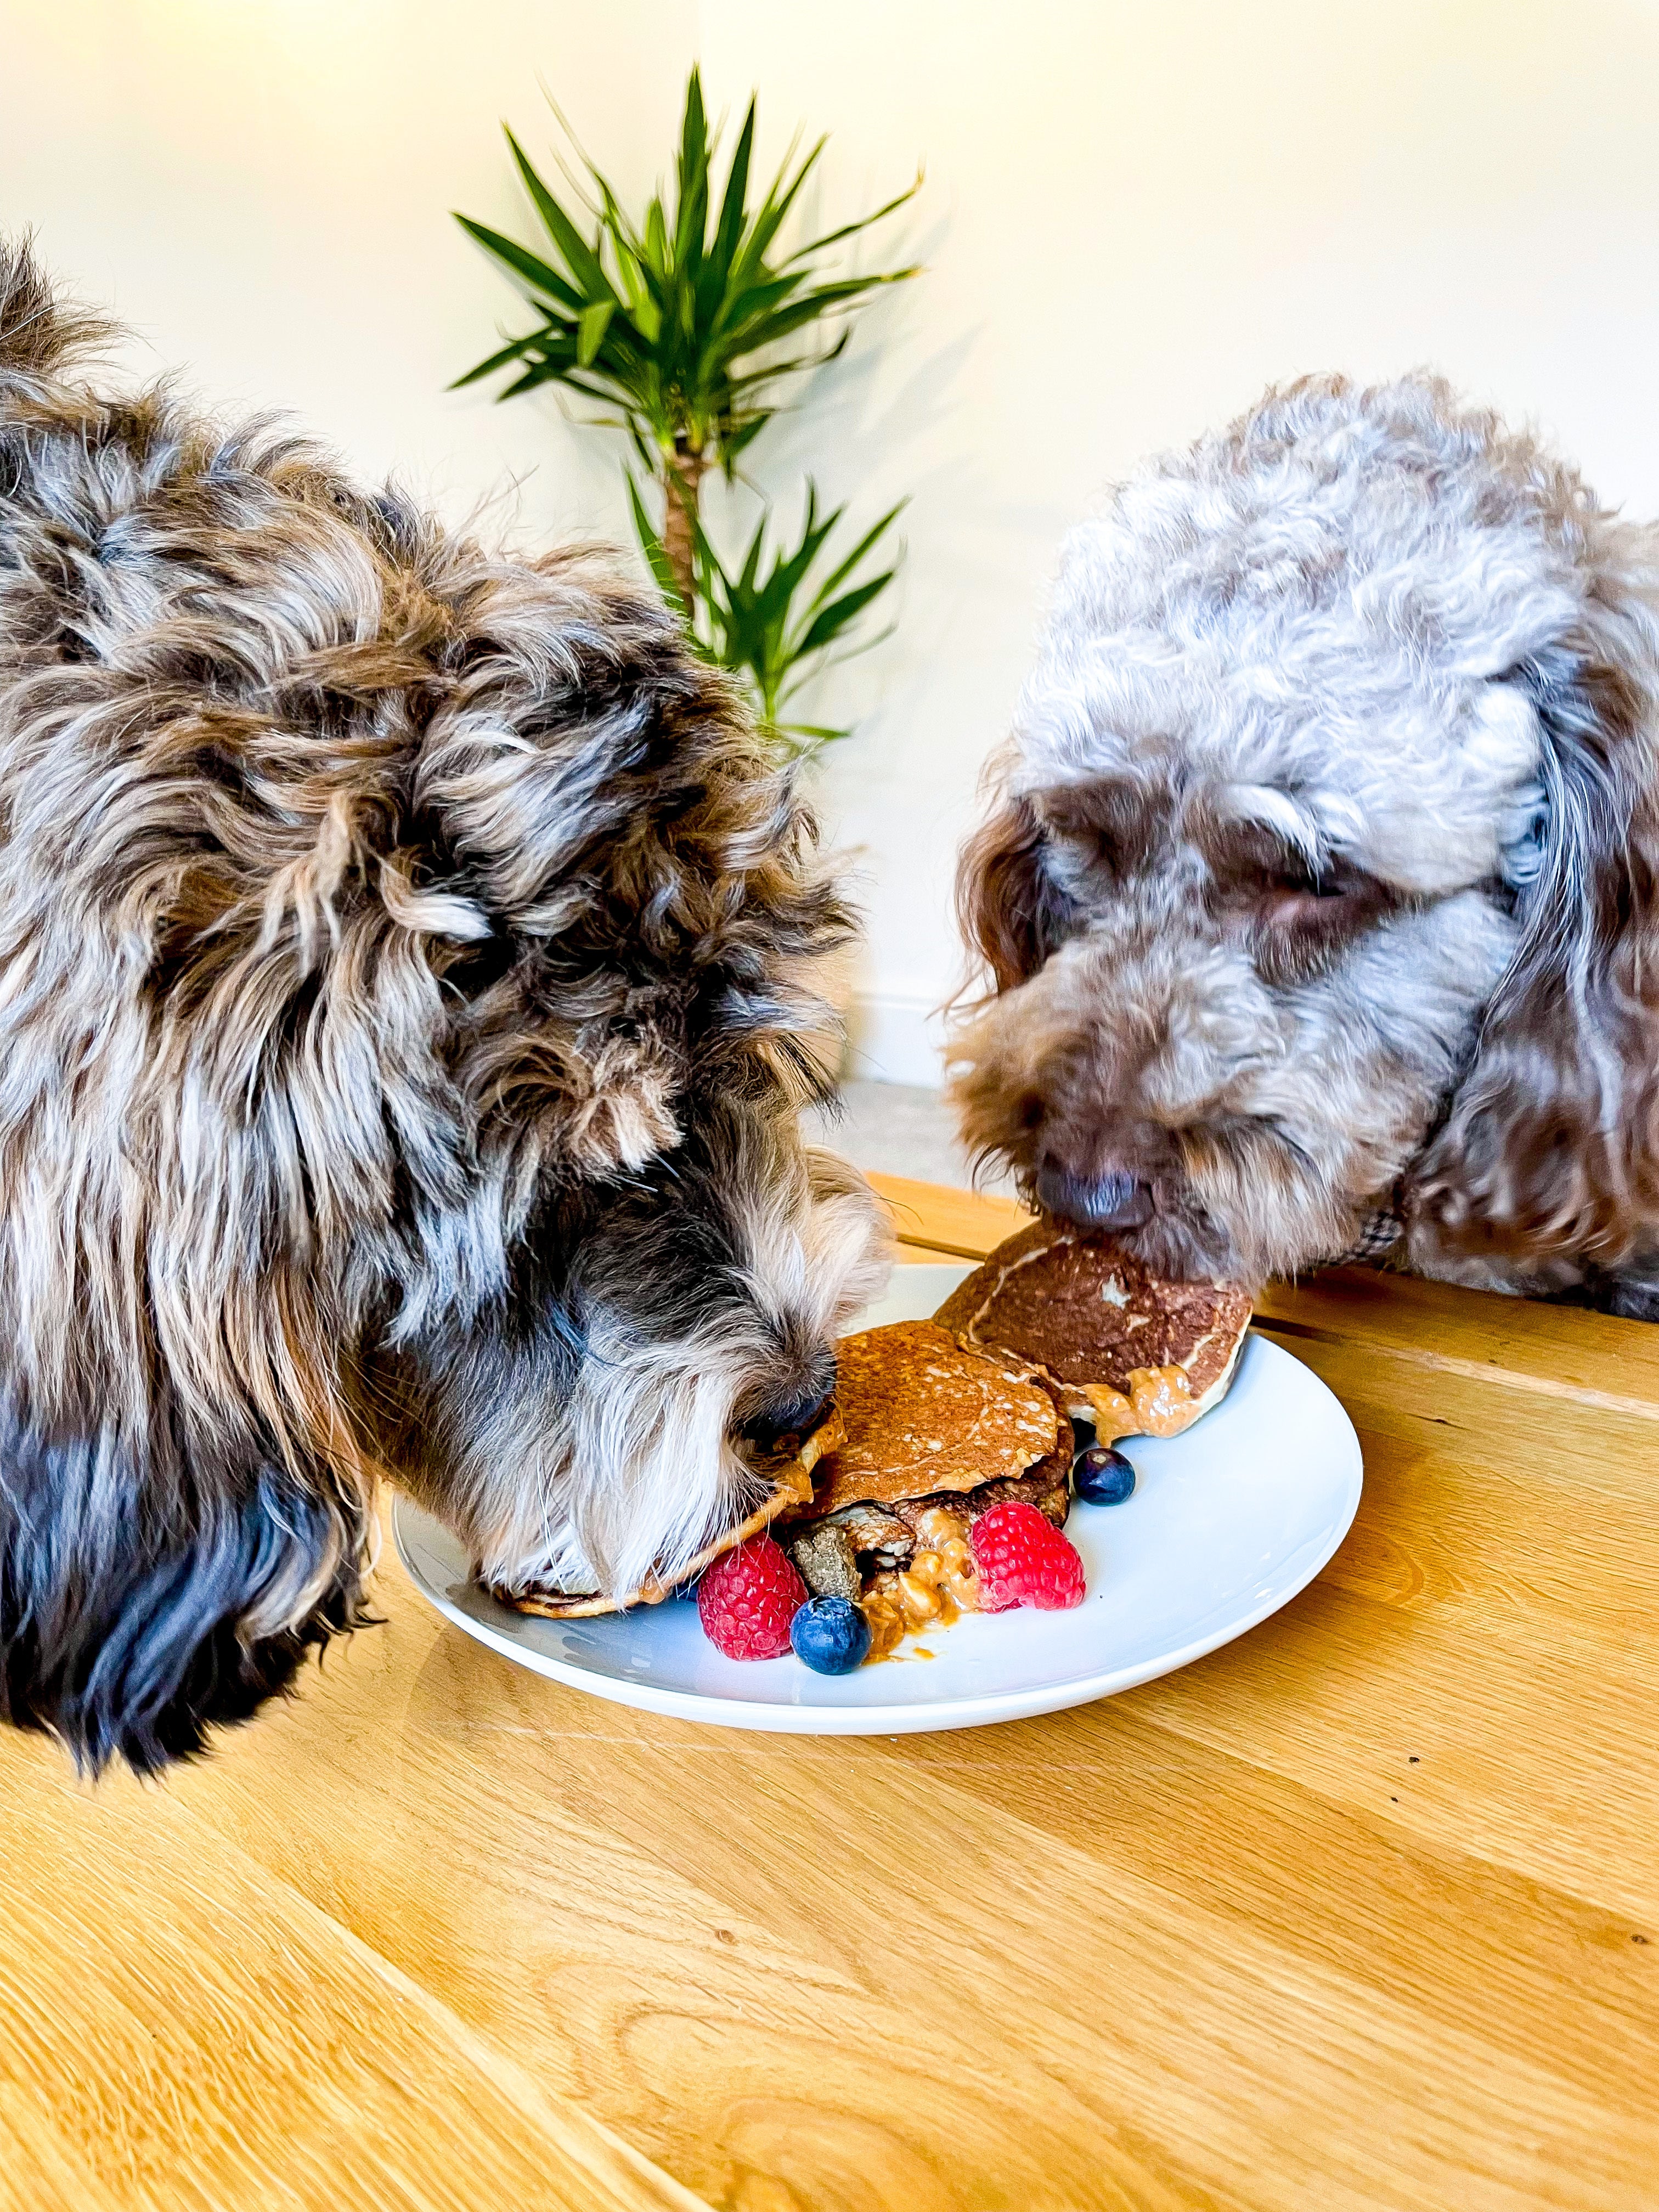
1321 876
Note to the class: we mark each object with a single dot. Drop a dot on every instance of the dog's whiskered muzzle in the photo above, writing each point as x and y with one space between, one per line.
767 1431
1116 1199
797 1418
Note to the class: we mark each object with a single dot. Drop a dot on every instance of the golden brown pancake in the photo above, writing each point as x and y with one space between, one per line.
791 1482
922 1413
1141 1355
937 1433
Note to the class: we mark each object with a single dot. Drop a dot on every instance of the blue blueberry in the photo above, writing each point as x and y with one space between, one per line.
831 1635
1101 1476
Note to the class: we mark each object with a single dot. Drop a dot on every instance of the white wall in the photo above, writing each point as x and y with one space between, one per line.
1136 215
261 188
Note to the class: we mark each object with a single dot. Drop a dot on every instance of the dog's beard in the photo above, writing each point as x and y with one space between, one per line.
1267 1124
585 1456
1249 1202
638 1473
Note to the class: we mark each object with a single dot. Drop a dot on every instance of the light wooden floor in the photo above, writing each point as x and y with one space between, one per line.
1361 1911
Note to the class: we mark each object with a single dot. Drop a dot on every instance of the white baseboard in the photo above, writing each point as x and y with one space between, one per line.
894 1037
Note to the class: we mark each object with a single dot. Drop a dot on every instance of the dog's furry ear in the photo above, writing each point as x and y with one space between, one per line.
600 1105
139 1609
1009 909
1548 1135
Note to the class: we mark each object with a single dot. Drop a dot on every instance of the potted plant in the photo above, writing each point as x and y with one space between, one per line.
684 326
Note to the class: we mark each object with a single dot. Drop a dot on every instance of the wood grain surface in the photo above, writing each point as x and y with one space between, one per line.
1361 1911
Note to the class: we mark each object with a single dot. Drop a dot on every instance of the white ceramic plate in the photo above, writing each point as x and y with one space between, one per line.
1225 1525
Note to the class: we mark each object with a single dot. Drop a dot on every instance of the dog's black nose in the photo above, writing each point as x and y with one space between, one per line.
797 1418
1115 1201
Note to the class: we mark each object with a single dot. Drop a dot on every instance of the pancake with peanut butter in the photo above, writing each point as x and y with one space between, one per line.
936 1434
1139 1355
924 1413
787 1474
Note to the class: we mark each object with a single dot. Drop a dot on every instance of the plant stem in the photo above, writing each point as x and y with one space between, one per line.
682 472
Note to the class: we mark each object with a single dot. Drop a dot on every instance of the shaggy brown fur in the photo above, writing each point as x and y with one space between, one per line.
405 998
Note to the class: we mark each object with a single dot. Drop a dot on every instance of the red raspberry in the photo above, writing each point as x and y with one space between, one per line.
1024 1560
748 1598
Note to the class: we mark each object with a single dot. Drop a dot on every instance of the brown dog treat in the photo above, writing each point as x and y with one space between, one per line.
1143 1355
826 1559
923 1414
790 1484
876 1533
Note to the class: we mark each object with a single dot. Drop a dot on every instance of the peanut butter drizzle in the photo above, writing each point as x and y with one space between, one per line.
1160 1404
895 1605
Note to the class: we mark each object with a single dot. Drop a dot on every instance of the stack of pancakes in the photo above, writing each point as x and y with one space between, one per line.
937 1432
935 1422
946 1419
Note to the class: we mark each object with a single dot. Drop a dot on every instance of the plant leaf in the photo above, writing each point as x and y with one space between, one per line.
839 575
508 353
590 326
811 308
691 207
579 257
830 620
864 222
729 229
776 205
534 271
656 239
740 311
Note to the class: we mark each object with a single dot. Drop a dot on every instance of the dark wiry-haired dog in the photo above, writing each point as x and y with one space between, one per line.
404 1005
1321 898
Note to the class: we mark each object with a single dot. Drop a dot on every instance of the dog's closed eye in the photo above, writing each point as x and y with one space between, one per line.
1298 892
1102 828
1303 916
1297 914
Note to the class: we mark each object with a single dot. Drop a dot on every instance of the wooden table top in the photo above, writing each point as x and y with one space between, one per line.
1361 1910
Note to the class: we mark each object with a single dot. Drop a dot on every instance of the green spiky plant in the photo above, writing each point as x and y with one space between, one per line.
681 328
775 626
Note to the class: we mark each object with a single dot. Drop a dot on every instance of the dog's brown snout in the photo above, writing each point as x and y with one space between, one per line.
1114 1199
797 1417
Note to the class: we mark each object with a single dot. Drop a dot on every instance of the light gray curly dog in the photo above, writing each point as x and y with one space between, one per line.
1319 894
406 995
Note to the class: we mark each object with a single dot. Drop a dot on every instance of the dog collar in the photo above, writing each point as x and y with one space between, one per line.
1379 1232
1384 1226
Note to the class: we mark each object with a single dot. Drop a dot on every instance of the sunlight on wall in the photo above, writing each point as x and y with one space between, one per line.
1135 216
262 191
